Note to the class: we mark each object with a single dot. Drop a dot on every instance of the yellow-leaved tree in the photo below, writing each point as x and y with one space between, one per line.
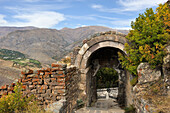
147 39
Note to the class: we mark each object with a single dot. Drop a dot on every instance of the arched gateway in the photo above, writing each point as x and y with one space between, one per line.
101 51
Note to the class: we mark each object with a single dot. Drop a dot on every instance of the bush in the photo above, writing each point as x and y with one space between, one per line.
147 39
17 102
130 109
134 81
107 77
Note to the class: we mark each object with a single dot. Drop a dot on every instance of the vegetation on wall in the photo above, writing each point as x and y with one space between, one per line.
147 39
106 78
18 103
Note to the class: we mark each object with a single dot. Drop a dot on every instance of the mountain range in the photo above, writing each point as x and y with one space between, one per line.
42 44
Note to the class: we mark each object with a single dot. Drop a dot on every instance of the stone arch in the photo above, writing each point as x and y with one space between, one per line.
103 40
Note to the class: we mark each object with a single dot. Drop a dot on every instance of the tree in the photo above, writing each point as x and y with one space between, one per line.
147 39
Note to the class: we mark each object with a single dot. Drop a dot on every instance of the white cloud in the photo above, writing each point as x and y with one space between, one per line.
121 23
31 0
95 6
123 28
104 17
129 5
39 19
2 20
85 17
135 5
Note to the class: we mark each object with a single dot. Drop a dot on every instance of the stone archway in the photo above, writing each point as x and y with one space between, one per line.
88 67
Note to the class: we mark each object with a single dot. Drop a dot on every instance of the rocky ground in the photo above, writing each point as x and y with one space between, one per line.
106 103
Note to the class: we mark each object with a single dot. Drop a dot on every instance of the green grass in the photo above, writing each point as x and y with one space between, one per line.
18 58
10 54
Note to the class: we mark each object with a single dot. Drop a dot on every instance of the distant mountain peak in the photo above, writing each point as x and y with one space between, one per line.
65 28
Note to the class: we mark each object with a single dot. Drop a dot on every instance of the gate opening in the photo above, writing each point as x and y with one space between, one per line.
105 74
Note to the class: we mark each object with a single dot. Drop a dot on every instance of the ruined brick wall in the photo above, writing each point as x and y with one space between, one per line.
48 85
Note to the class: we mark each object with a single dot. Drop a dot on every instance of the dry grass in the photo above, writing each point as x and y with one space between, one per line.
157 97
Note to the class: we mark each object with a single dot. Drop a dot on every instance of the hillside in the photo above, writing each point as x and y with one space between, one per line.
11 64
43 44
5 30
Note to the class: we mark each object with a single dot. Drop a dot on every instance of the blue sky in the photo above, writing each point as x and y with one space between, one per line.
73 13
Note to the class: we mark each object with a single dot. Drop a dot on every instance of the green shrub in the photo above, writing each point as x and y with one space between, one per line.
80 103
10 54
107 77
130 109
35 62
147 40
134 81
17 102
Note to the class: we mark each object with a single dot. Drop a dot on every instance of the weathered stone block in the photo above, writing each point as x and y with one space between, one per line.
60 72
44 87
31 87
49 91
40 82
53 79
146 74
59 87
41 91
34 91
54 91
40 98
35 80
31 75
47 81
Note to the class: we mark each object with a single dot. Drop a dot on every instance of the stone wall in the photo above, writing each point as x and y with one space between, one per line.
150 93
72 89
48 85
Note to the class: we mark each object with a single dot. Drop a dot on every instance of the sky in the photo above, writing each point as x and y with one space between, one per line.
57 14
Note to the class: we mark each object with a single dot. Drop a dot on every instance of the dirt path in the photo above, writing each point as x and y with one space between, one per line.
103 106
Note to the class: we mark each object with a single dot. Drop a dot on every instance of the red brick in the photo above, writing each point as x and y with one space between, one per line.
60 84
4 87
61 80
55 65
10 92
60 72
40 72
40 81
61 91
11 88
44 87
13 84
48 69
55 69
147 107
30 71
35 80
5 93
23 80
23 86
23 73
63 75
19 80
36 76
35 83
53 79
46 73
